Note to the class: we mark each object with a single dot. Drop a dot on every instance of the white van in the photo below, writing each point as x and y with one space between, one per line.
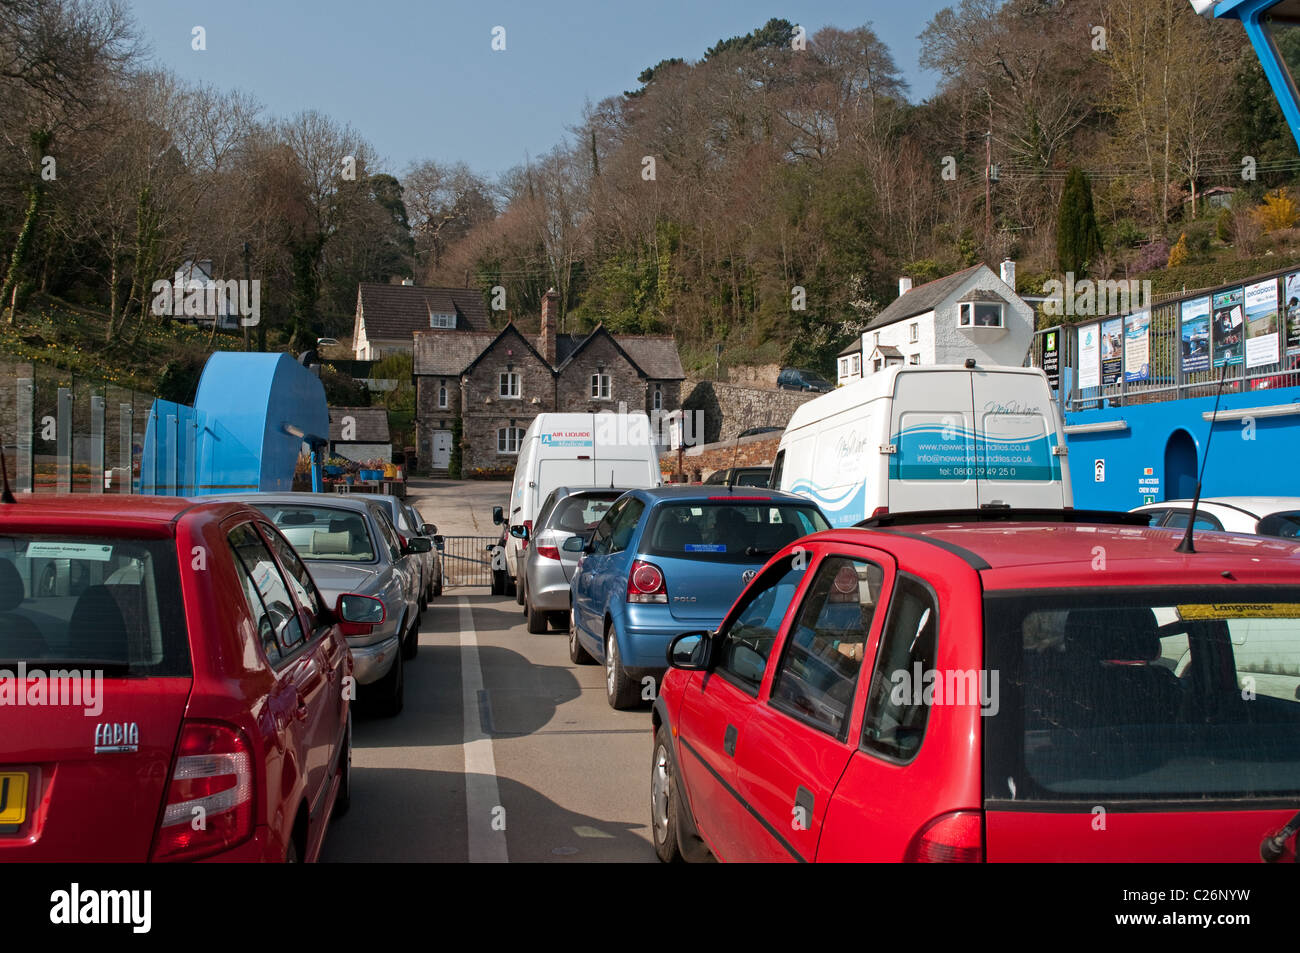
928 438
605 449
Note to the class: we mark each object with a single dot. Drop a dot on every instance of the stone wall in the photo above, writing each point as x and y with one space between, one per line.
573 386
486 411
430 417
729 408
752 452
757 375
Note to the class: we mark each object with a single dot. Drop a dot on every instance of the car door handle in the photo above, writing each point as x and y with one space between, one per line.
803 805
729 741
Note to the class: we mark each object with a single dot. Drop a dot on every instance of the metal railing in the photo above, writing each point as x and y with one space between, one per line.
467 560
1181 352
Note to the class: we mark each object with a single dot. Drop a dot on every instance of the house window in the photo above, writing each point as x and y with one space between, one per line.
600 387
914 359
508 385
442 393
875 339
844 367
913 332
442 320
979 314
877 364
659 397
855 364
508 439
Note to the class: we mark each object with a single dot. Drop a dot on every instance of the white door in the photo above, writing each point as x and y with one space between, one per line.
441 449
933 466
1016 427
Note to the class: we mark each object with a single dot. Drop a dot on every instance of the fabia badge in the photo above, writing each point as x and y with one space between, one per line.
113 737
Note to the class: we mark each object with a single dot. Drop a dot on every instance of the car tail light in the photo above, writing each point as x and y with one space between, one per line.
957 837
548 552
209 795
879 511
528 527
645 583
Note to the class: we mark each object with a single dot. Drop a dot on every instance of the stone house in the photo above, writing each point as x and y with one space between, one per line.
495 383
973 313
389 315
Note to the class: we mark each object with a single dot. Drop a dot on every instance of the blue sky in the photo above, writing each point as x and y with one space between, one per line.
418 78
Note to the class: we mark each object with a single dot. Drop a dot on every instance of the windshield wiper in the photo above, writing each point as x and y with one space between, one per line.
752 551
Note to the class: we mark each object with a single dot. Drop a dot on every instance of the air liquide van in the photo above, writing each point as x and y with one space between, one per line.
926 438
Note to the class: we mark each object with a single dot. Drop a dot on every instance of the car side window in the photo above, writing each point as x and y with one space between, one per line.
386 530
819 666
1178 520
743 648
299 576
1156 517
544 513
625 525
274 612
604 529
897 712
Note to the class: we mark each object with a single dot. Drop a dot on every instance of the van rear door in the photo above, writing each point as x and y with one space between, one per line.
932 429
1015 440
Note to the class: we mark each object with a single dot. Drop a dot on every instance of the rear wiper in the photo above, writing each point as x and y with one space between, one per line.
1272 847
752 551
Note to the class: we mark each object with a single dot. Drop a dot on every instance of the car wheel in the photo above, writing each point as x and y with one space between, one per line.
390 690
291 852
498 582
663 801
437 586
343 800
516 585
620 690
539 622
411 644
577 654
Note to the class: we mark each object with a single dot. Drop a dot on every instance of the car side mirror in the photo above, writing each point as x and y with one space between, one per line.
357 614
519 531
440 542
419 544
429 529
691 651
498 515
575 544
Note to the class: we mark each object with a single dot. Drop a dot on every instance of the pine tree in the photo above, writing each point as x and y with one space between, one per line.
1078 239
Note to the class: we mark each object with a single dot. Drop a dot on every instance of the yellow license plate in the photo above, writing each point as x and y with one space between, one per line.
13 797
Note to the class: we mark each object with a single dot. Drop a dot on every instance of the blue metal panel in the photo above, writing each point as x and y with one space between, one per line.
1251 13
1259 457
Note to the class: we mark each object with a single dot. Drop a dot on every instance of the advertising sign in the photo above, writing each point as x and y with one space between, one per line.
1228 329
1089 356
1261 324
1112 347
1196 335
1291 312
1137 346
1052 359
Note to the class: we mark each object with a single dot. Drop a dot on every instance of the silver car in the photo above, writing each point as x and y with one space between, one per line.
350 546
545 569
409 524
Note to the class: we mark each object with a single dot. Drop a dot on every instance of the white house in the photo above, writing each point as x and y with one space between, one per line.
970 314
849 363
193 275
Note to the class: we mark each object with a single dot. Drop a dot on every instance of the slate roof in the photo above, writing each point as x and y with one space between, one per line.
447 353
655 354
887 350
853 347
922 298
979 294
396 311
372 424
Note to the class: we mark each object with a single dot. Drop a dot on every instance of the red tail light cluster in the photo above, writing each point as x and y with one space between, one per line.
210 794
957 837
645 583
528 525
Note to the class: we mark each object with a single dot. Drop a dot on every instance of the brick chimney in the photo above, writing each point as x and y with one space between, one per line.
550 310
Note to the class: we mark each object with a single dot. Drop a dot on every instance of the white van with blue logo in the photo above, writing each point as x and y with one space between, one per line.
928 438
604 449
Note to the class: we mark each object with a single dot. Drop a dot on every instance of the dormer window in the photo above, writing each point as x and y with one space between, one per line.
442 320
979 314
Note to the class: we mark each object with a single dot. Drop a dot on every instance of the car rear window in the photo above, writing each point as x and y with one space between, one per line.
580 514
98 601
726 531
1285 525
323 532
1144 694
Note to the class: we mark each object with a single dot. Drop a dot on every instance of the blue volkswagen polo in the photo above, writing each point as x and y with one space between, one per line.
666 560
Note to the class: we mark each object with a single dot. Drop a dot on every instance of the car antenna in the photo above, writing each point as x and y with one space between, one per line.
1186 545
6 495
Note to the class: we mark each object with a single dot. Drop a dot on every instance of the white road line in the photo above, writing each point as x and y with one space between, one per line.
484 813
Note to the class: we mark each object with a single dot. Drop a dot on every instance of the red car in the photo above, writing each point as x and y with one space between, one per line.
171 685
990 687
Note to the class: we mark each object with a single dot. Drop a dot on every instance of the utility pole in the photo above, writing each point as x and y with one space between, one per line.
988 187
247 284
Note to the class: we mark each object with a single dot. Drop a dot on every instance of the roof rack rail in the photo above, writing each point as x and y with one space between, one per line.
1005 514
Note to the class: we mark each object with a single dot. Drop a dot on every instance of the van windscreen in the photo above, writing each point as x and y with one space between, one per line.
728 532
1143 694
